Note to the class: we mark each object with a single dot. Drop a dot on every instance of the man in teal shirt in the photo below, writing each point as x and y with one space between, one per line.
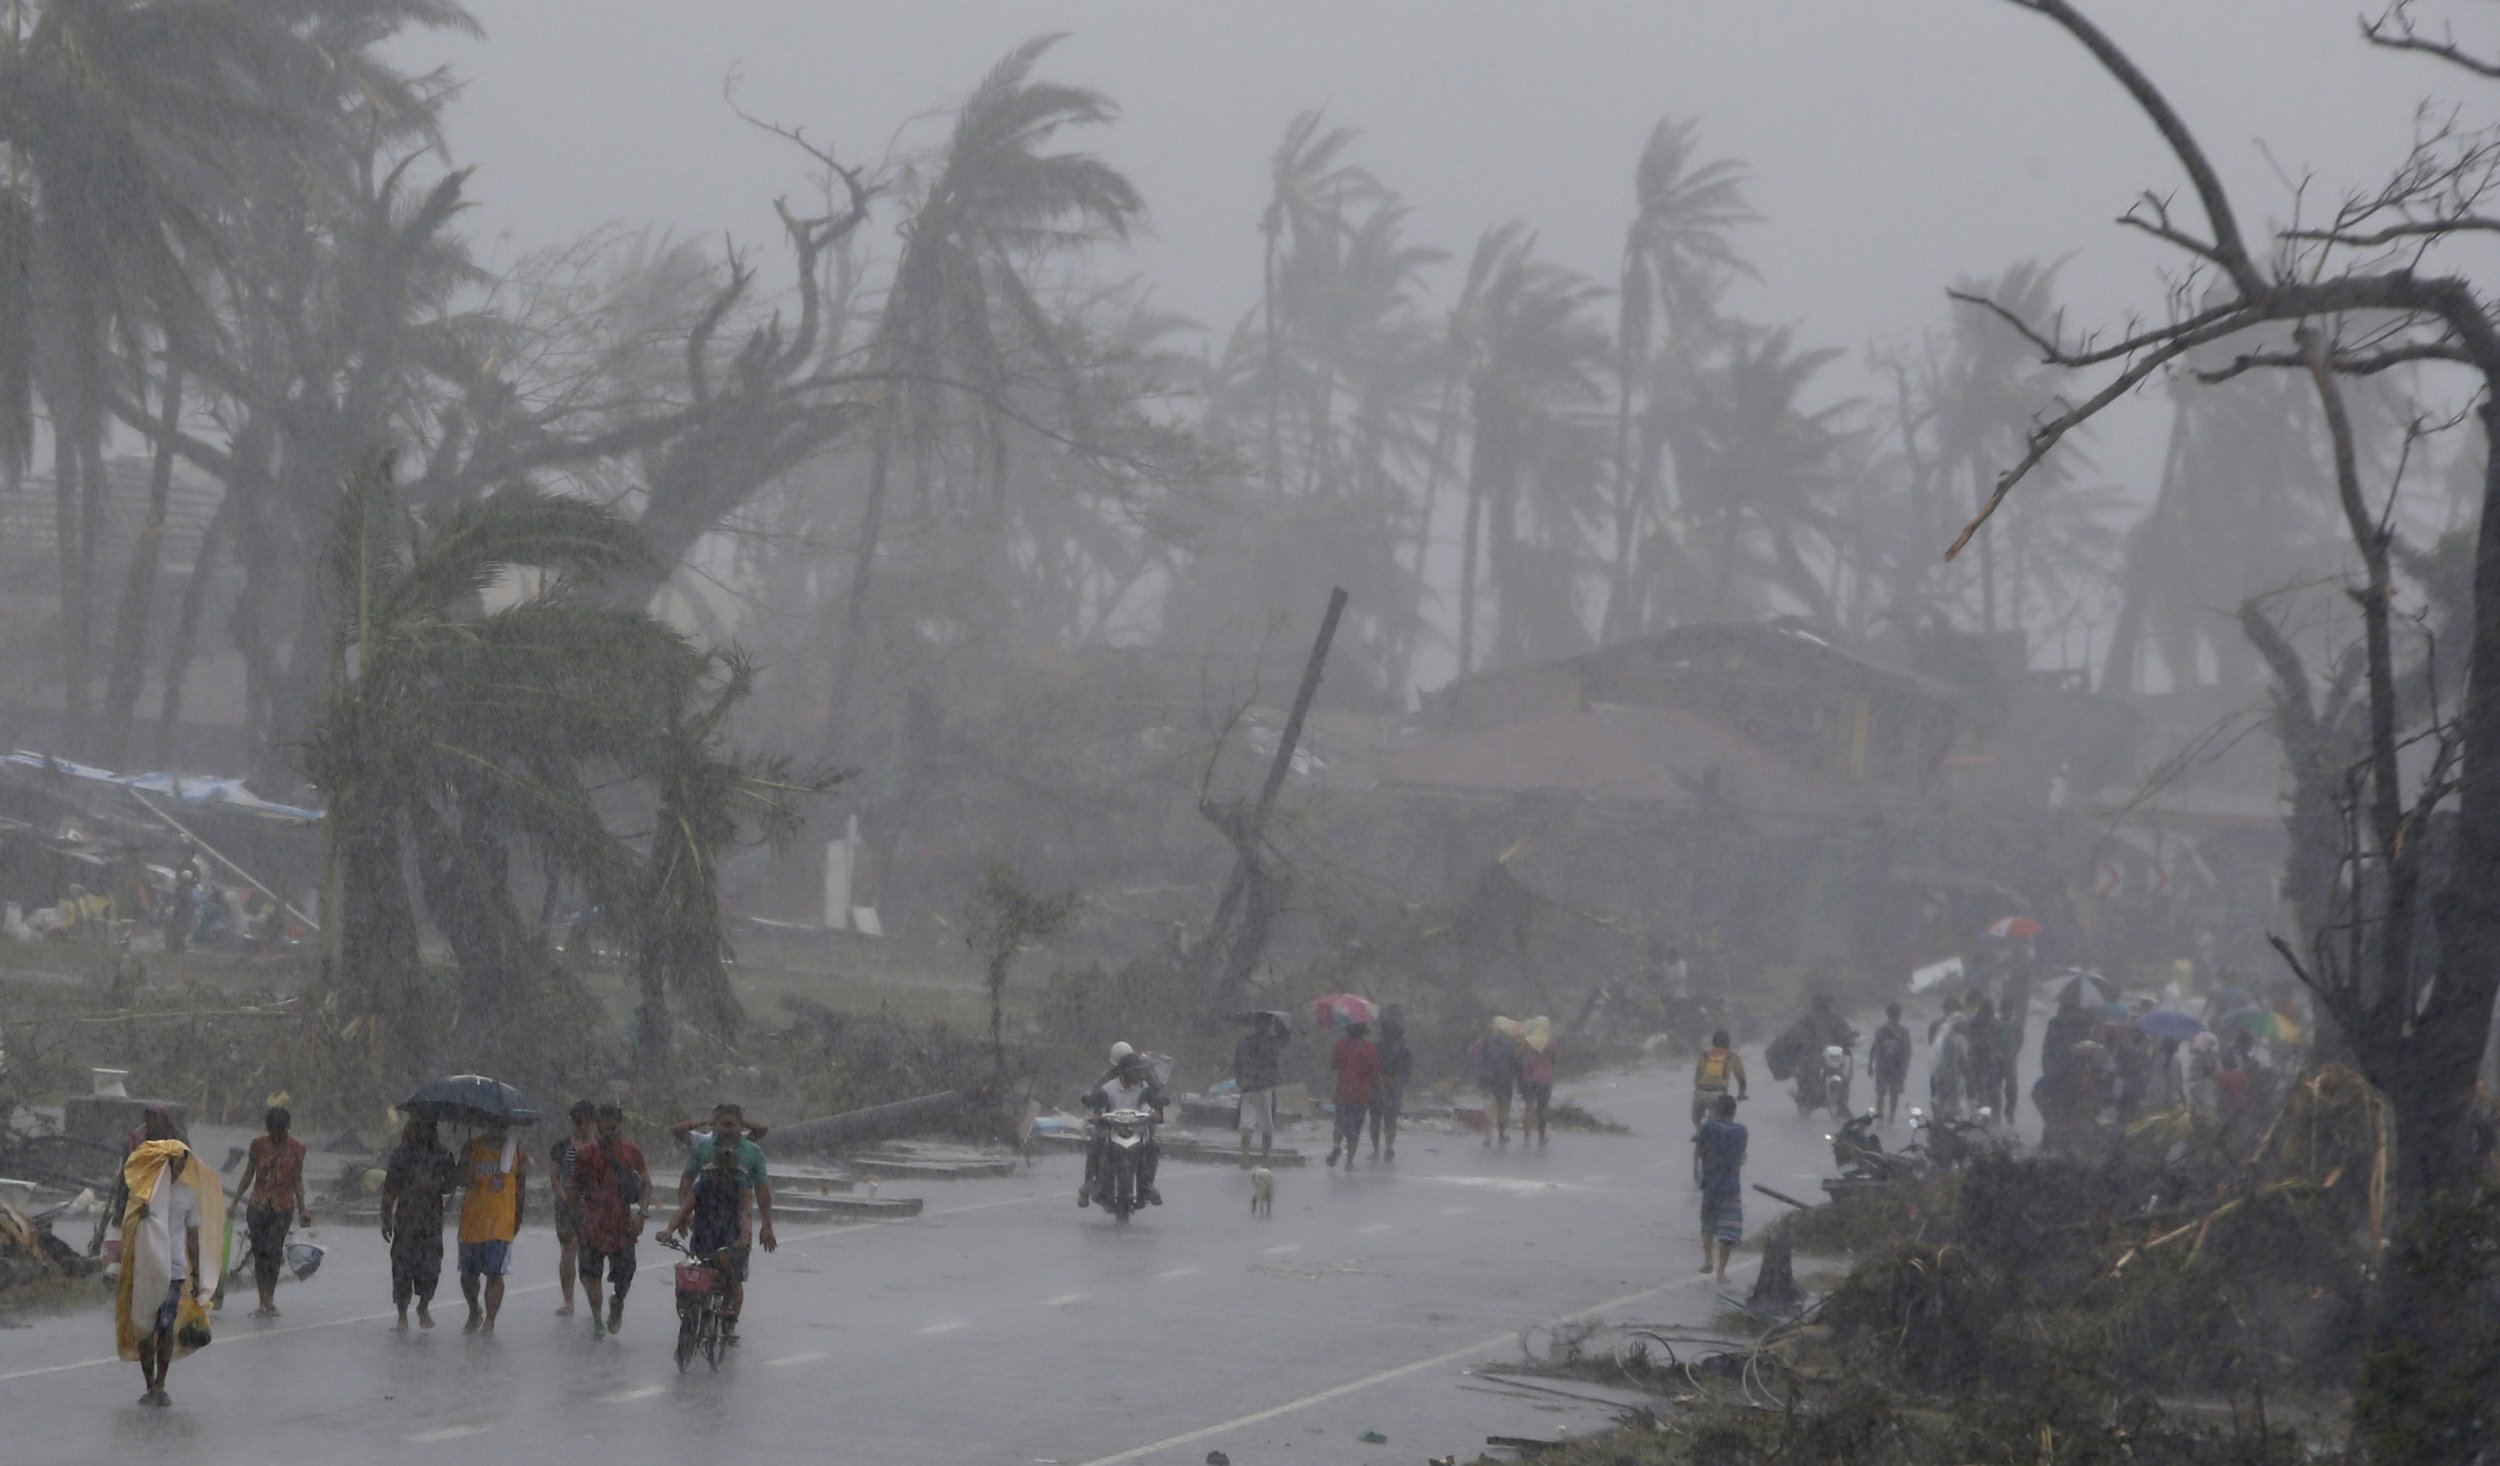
729 1127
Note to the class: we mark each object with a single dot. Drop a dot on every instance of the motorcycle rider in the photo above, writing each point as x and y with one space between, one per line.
1129 1086
1822 1029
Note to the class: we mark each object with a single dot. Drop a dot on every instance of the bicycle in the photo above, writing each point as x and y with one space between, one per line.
702 1299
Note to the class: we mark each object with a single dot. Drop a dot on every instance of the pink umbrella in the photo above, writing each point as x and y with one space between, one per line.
1343 1010
2013 928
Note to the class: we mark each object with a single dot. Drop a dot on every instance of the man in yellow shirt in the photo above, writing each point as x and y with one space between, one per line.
495 1170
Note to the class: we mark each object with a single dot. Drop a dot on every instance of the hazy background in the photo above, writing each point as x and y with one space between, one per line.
1893 146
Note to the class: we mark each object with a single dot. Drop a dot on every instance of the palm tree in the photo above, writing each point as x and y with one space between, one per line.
962 317
1676 258
123 123
456 733
1534 357
1751 453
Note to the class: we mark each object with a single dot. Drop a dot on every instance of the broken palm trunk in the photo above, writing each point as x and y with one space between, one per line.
1246 913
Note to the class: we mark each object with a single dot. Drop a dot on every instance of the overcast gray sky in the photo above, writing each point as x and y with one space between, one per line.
1894 143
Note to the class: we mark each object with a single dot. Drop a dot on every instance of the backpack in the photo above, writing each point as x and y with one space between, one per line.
1892 1049
1714 1070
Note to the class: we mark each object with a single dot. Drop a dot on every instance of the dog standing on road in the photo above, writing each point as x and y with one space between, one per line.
1262 1192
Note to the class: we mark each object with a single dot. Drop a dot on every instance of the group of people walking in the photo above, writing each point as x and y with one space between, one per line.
166 1201
1371 1075
600 1185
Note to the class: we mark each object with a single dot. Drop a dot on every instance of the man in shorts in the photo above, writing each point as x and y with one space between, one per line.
612 1186
1257 1061
273 1192
1721 1148
495 1170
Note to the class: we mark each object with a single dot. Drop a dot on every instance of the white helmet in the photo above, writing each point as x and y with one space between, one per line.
1832 1055
1120 1051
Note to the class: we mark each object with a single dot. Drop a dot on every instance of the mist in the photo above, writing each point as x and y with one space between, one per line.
799 632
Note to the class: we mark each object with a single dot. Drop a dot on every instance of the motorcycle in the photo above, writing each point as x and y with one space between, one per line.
1824 1084
1863 1161
1120 1179
1953 1144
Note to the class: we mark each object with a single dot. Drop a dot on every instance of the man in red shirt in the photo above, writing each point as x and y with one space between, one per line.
1357 1064
613 1183
273 1190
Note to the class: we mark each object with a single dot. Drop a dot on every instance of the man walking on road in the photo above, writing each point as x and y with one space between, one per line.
496 1172
613 1184
563 1158
272 1190
1889 1056
1358 1065
1397 1065
414 1182
1257 1064
1721 1145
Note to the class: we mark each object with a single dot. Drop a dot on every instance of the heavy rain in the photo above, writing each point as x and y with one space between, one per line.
1702 733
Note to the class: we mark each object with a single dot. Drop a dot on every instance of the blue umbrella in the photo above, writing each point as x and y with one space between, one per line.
473 1099
2170 1025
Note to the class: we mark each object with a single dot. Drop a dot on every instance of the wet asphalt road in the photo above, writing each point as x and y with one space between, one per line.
1002 1325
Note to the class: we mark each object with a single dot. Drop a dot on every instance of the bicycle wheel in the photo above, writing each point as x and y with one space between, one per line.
1639 1351
685 1341
712 1346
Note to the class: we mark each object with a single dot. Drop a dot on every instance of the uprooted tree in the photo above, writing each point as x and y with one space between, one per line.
2368 290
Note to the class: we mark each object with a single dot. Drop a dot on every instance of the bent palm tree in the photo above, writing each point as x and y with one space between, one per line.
454 732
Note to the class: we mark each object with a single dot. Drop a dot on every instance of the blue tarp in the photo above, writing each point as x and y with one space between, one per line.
196 790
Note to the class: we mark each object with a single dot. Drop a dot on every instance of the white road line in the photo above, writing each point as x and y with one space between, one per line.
1290 1407
947 1327
1456 1211
1064 1299
448 1433
639 1392
357 1318
1281 1251
1600 1176
1179 1272
809 1356
1375 1227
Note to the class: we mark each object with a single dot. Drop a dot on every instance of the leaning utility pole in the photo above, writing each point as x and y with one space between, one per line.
1253 895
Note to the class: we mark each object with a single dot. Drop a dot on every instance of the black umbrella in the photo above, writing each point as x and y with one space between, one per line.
472 1099
2074 991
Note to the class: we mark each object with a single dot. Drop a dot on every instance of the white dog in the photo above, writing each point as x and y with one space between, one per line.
1262 1192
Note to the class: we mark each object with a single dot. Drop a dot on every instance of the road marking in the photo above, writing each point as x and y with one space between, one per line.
359 1318
1179 1272
1339 1392
1456 1211
1064 1299
1281 1251
448 1433
1599 1176
810 1355
640 1392
1660 1165
1375 1227
947 1327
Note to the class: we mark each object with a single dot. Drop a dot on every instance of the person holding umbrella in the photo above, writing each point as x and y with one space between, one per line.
1258 1060
1357 1064
414 1182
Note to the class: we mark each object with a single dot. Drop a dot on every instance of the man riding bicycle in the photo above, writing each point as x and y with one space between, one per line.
714 1220
1718 1067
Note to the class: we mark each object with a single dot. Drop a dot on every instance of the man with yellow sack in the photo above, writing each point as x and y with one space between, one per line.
160 1311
